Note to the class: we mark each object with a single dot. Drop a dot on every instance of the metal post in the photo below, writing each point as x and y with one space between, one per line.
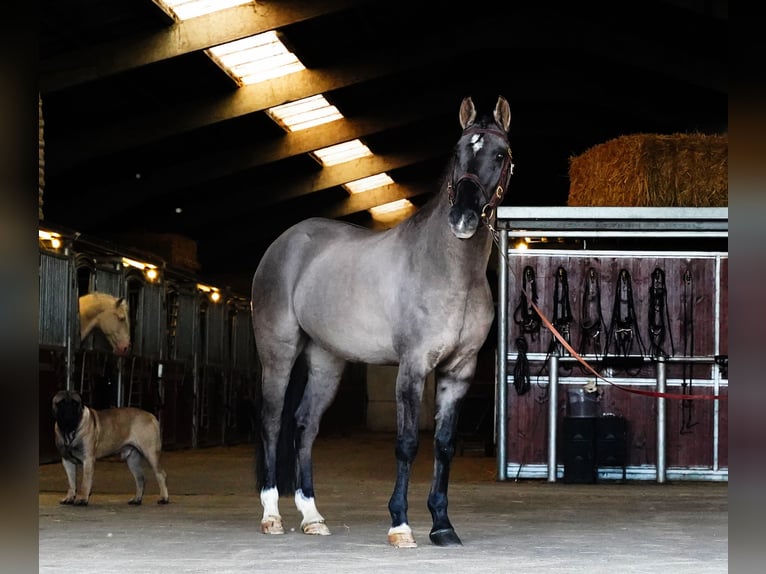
553 385
661 420
501 384
120 384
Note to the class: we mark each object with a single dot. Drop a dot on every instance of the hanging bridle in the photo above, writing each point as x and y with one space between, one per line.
494 199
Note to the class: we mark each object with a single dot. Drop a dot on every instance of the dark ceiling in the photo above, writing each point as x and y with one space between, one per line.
139 122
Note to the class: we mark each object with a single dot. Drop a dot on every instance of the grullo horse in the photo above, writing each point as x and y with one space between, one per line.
415 295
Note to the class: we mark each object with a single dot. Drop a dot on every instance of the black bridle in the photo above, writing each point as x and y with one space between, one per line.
491 200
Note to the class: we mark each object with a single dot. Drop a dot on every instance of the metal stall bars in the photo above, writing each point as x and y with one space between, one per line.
615 238
146 300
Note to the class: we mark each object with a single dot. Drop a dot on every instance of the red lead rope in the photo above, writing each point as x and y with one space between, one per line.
576 355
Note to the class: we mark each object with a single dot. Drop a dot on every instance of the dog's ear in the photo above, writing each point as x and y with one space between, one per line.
57 398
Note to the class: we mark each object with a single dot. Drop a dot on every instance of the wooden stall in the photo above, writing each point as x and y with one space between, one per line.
637 435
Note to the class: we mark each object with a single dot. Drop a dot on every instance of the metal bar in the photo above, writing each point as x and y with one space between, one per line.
607 216
501 384
570 359
716 371
661 420
553 369
630 232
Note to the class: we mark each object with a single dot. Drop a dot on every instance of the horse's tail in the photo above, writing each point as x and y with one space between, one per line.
287 451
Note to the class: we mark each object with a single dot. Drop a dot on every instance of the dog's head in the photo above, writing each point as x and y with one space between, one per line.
67 411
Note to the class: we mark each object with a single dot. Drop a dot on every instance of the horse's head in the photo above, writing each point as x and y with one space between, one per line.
481 168
114 323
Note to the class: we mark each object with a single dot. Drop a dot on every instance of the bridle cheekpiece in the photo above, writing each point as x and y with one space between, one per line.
493 200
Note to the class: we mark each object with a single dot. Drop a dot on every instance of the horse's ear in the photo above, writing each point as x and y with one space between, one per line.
467 112
119 301
503 113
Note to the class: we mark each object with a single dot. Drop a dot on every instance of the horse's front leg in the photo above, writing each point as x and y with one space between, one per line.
409 392
449 396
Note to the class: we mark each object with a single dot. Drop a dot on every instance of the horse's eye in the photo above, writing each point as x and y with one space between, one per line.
500 156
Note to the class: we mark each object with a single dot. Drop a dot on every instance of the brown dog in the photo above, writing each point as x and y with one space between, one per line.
84 435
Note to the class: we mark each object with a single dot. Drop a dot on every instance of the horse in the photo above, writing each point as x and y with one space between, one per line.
110 315
415 295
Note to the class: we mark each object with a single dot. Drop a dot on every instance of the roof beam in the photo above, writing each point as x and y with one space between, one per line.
357 202
80 66
243 204
201 170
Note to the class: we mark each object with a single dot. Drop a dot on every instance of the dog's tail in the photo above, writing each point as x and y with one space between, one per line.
287 451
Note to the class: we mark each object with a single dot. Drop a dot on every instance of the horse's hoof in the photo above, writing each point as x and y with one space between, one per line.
66 501
316 528
135 502
401 537
272 525
445 537
80 502
163 501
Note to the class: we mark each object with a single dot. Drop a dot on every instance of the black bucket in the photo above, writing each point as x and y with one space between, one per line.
582 404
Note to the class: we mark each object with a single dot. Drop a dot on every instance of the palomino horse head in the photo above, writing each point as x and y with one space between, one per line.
109 314
481 168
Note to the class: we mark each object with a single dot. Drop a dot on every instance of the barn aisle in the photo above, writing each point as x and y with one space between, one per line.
212 523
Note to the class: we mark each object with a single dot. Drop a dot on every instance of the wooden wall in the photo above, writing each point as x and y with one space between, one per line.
691 425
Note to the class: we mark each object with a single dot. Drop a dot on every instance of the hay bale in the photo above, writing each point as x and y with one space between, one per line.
651 170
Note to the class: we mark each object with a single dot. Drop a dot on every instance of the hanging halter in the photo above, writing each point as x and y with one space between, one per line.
494 199
592 320
525 315
623 329
562 313
659 317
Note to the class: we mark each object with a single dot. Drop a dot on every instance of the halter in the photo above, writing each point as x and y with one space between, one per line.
488 210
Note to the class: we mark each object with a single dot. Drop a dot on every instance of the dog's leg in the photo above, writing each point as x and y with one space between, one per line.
71 475
153 458
133 458
89 462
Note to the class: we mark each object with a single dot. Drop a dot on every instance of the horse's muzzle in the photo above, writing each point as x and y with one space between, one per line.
465 214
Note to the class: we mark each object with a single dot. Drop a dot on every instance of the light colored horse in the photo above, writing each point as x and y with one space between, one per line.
110 315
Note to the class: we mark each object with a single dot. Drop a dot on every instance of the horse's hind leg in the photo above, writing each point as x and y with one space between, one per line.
275 378
324 374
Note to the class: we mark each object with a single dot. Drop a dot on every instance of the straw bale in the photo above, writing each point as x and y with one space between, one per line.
652 170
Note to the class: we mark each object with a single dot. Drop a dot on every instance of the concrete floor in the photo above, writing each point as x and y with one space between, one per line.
212 522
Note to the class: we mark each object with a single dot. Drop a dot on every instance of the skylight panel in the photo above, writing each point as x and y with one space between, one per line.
368 183
187 9
341 153
255 58
391 207
306 113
